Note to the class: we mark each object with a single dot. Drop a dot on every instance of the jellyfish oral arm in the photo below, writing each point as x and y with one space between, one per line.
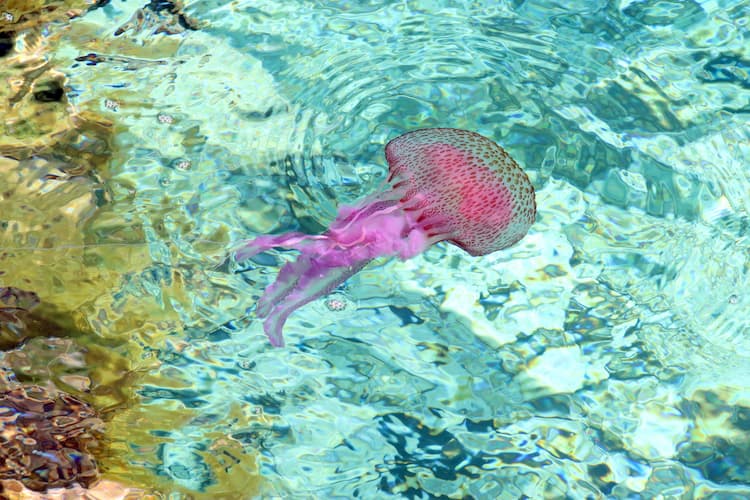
360 233
251 248
298 283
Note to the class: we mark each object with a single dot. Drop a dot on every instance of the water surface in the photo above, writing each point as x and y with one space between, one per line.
606 355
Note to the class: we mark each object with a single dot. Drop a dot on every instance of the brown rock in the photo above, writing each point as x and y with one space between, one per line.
45 437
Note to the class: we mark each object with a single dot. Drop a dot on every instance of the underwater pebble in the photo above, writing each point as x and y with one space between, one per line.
165 118
183 165
335 304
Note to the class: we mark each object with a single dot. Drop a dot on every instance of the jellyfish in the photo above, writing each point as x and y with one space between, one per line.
443 184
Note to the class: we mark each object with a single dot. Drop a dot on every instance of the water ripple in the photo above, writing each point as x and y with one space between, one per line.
603 356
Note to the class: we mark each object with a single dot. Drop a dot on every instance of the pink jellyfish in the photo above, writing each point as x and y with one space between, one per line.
444 184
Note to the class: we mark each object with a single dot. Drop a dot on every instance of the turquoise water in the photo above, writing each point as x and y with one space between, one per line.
607 355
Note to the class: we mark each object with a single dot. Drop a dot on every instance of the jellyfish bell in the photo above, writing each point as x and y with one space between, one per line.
470 191
443 185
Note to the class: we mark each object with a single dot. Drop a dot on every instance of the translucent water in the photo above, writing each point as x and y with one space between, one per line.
607 355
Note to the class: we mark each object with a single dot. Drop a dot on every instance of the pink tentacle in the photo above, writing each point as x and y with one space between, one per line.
313 280
251 248
358 235
286 280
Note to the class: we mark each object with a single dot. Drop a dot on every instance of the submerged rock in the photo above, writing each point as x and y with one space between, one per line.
46 437
102 490
18 322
